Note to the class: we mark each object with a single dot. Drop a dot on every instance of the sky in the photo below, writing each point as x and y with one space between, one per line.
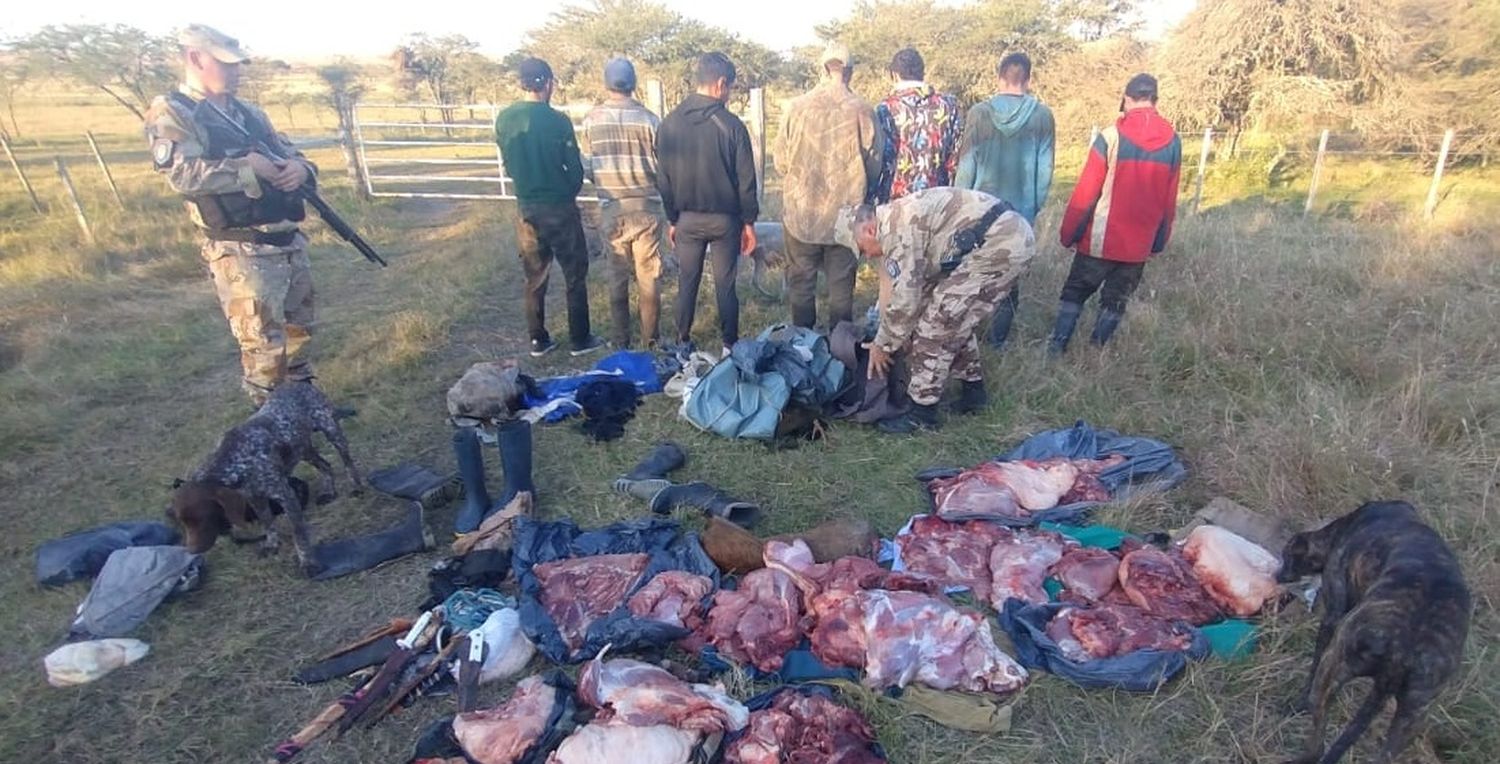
320 29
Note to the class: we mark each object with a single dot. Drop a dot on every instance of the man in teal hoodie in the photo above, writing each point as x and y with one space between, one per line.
1007 154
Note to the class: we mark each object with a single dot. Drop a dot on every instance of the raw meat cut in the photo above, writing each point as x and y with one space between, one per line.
756 623
641 695
672 596
915 637
1013 490
1162 583
850 573
1239 574
1093 467
1038 484
1088 572
624 744
975 493
1113 630
835 626
1085 488
954 554
804 728
504 734
1018 566
577 591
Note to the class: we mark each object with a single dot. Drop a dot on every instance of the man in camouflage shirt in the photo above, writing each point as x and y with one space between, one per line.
245 204
932 296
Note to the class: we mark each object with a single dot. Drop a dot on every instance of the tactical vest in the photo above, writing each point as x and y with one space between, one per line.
220 212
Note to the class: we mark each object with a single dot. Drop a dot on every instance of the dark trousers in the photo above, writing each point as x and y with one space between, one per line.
1005 315
804 260
700 234
550 232
1088 274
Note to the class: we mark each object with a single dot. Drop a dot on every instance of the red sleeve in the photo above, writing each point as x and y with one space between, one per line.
1085 195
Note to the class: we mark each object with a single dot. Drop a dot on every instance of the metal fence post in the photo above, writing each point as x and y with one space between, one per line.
1317 173
108 176
25 183
656 98
757 119
83 220
1208 140
1437 175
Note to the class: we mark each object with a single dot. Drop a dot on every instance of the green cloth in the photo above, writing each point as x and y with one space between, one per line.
1230 639
540 151
1101 536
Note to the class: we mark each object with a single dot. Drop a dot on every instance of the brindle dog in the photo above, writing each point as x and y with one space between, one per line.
1395 609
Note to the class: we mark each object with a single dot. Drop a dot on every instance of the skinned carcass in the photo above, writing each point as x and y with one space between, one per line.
642 695
756 623
1018 566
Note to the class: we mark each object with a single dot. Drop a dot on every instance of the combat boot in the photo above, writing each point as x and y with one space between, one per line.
1062 331
972 399
920 417
470 456
1105 325
713 502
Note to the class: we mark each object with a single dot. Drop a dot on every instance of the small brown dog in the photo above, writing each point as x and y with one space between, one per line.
1395 609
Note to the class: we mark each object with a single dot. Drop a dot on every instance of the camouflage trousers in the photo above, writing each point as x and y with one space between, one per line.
944 344
633 238
266 294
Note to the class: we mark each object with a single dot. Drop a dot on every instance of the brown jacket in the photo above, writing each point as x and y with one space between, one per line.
828 154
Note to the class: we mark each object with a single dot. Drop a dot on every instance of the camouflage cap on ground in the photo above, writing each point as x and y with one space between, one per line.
843 229
217 44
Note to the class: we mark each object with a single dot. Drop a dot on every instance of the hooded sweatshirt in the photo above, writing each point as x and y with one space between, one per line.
1126 200
1007 152
705 163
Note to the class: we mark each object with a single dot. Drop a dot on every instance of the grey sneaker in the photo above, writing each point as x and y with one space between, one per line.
594 342
540 348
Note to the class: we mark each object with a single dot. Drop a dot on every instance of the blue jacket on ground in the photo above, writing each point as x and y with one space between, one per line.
1007 151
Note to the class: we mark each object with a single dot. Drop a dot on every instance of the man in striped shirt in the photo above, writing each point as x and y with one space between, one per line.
621 136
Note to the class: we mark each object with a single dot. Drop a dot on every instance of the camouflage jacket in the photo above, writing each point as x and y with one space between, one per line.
177 146
916 233
828 154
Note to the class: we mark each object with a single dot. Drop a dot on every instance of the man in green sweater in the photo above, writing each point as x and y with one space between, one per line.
540 152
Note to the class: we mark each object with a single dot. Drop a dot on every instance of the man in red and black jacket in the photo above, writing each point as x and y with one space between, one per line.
1120 214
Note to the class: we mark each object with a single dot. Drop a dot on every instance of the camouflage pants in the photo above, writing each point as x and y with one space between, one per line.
944 344
633 239
267 297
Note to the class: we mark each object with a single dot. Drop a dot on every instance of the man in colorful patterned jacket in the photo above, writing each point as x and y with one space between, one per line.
1121 213
922 129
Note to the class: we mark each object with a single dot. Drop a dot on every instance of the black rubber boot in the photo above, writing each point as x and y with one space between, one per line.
919 418
662 460
1105 326
713 502
1005 315
470 455
515 459
972 399
345 556
1062 331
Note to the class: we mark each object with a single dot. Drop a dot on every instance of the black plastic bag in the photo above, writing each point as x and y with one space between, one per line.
81 555
669 548
438 742
1140 671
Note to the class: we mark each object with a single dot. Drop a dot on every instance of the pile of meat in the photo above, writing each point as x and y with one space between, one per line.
809 728
1107 631
994 562
504 734
892 626
757 623
1014 490
674 597
578 591
644 715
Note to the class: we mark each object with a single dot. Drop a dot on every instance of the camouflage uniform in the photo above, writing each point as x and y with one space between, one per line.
930 315
265 290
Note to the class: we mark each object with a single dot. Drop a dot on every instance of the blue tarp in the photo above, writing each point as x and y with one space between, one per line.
638 368
1140 671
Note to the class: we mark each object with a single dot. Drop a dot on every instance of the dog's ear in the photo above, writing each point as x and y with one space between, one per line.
178 483
233 504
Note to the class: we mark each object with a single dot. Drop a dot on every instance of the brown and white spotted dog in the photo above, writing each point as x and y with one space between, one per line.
251 470
1395 609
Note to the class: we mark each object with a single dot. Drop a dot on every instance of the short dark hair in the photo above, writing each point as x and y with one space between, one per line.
907 64
534 74
1015 68
864 213
1141 87
712 67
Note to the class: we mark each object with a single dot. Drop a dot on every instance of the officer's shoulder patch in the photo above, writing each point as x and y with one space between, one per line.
892 267
161 152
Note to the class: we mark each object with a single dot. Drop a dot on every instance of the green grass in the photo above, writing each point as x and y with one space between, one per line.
1300 366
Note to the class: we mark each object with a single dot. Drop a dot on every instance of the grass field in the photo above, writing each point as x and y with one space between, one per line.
1301 367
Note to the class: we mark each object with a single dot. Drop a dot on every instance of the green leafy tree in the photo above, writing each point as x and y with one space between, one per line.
126 63
15 75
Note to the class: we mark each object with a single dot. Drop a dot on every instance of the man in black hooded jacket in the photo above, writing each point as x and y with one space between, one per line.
706 175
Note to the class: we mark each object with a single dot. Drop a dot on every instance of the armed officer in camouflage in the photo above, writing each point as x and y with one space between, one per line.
950 255
246 205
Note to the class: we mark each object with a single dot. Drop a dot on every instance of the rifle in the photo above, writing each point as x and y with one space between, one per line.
308 191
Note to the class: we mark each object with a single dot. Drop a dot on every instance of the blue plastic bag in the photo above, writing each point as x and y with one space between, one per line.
1140 671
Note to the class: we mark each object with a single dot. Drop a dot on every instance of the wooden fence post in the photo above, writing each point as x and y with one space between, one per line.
757 120
108 176
83 221
1437 175
25 183
1317 173
656 98
1208 140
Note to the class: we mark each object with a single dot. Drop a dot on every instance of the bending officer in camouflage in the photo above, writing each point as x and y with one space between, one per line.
244 203
950 255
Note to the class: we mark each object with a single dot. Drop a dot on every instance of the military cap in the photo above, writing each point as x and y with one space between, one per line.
213 42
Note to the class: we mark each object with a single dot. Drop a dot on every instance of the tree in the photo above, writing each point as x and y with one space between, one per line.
126 63
15 75
431 60
343 85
